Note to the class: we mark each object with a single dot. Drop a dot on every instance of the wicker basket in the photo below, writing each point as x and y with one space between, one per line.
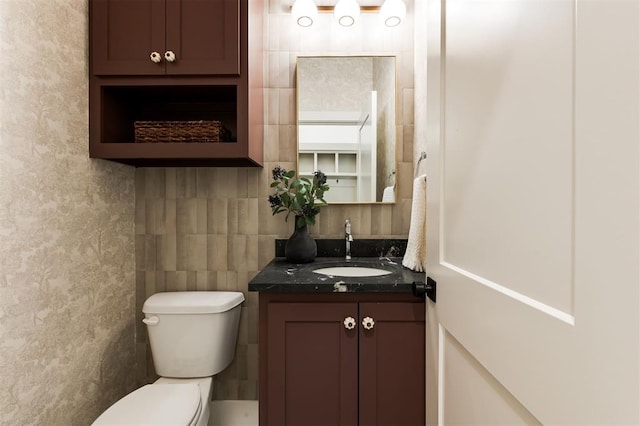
201 131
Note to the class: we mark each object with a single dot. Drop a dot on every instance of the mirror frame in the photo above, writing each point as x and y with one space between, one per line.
395 119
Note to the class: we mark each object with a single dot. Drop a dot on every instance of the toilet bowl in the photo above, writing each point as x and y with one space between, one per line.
193 337
161 403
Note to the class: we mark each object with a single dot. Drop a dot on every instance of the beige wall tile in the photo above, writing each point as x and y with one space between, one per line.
196 248
186 216
217 221
155 220
217 252
140 217
185 182
232 216
288 143
242 190
170 183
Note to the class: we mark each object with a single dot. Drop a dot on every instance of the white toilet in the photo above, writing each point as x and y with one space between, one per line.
193 336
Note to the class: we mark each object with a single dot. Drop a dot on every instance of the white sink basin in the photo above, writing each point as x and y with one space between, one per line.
352 271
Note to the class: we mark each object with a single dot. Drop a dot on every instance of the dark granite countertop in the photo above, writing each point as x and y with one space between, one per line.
281 276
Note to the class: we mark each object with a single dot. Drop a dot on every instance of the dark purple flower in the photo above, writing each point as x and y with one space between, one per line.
278 173
274 200
321 177
309 210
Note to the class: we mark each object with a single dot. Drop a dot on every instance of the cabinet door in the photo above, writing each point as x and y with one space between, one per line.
124 33
204 35
392 371
312 364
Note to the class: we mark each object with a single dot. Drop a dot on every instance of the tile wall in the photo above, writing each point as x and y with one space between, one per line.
212 228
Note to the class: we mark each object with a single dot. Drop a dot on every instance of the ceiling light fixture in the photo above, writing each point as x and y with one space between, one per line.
346 12
393 12
304 12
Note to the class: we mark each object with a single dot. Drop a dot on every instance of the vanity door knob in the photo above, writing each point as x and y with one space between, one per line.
169 56
368 323
155 57
349 323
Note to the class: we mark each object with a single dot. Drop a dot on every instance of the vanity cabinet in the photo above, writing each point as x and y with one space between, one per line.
156 37
342 359
208 68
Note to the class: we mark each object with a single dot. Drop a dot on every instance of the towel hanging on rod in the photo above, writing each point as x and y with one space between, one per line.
423 155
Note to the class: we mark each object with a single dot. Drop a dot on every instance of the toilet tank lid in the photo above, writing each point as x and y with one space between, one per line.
192 302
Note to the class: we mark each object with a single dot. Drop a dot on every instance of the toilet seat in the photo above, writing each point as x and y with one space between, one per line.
156 404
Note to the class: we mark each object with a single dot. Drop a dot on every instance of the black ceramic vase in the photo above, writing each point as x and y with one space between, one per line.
300 247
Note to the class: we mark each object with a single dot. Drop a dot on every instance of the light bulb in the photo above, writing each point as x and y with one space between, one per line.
346 12
393 12
304 12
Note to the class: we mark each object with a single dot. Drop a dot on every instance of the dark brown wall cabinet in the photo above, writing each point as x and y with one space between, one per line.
342 359
176 60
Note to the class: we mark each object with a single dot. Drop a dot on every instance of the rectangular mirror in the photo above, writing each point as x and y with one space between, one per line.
346 125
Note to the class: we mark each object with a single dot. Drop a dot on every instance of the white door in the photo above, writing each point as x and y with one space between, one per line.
534 211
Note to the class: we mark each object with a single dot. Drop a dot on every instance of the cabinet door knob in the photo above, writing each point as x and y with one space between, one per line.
368 323
169 56
155 57
349 323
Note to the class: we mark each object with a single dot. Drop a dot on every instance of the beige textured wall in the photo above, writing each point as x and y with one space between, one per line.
66 229
212 228
339 84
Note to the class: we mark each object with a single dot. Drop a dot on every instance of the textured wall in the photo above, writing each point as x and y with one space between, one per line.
66 229
212 228
335 84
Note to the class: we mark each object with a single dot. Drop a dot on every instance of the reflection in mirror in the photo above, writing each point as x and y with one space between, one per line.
346 125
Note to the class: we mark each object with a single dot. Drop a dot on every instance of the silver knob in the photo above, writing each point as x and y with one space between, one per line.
349 323
368 323
155 57
169 56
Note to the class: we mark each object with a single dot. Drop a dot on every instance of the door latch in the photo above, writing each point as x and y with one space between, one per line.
428 289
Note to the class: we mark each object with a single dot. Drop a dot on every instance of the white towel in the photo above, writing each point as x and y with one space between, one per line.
416 255
388 196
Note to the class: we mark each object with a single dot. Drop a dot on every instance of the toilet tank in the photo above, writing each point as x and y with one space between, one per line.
192 333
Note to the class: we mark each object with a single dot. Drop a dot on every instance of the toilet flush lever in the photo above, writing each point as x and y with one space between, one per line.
154 320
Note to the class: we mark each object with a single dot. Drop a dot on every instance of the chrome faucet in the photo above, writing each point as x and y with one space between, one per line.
348 239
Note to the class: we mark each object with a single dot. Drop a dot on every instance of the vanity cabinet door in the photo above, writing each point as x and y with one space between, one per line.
185 37
342 359
312 364
392 364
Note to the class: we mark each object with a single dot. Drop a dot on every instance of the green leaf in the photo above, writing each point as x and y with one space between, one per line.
274 184
290 174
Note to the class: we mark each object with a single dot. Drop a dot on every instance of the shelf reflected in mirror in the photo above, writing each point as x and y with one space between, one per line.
346 125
